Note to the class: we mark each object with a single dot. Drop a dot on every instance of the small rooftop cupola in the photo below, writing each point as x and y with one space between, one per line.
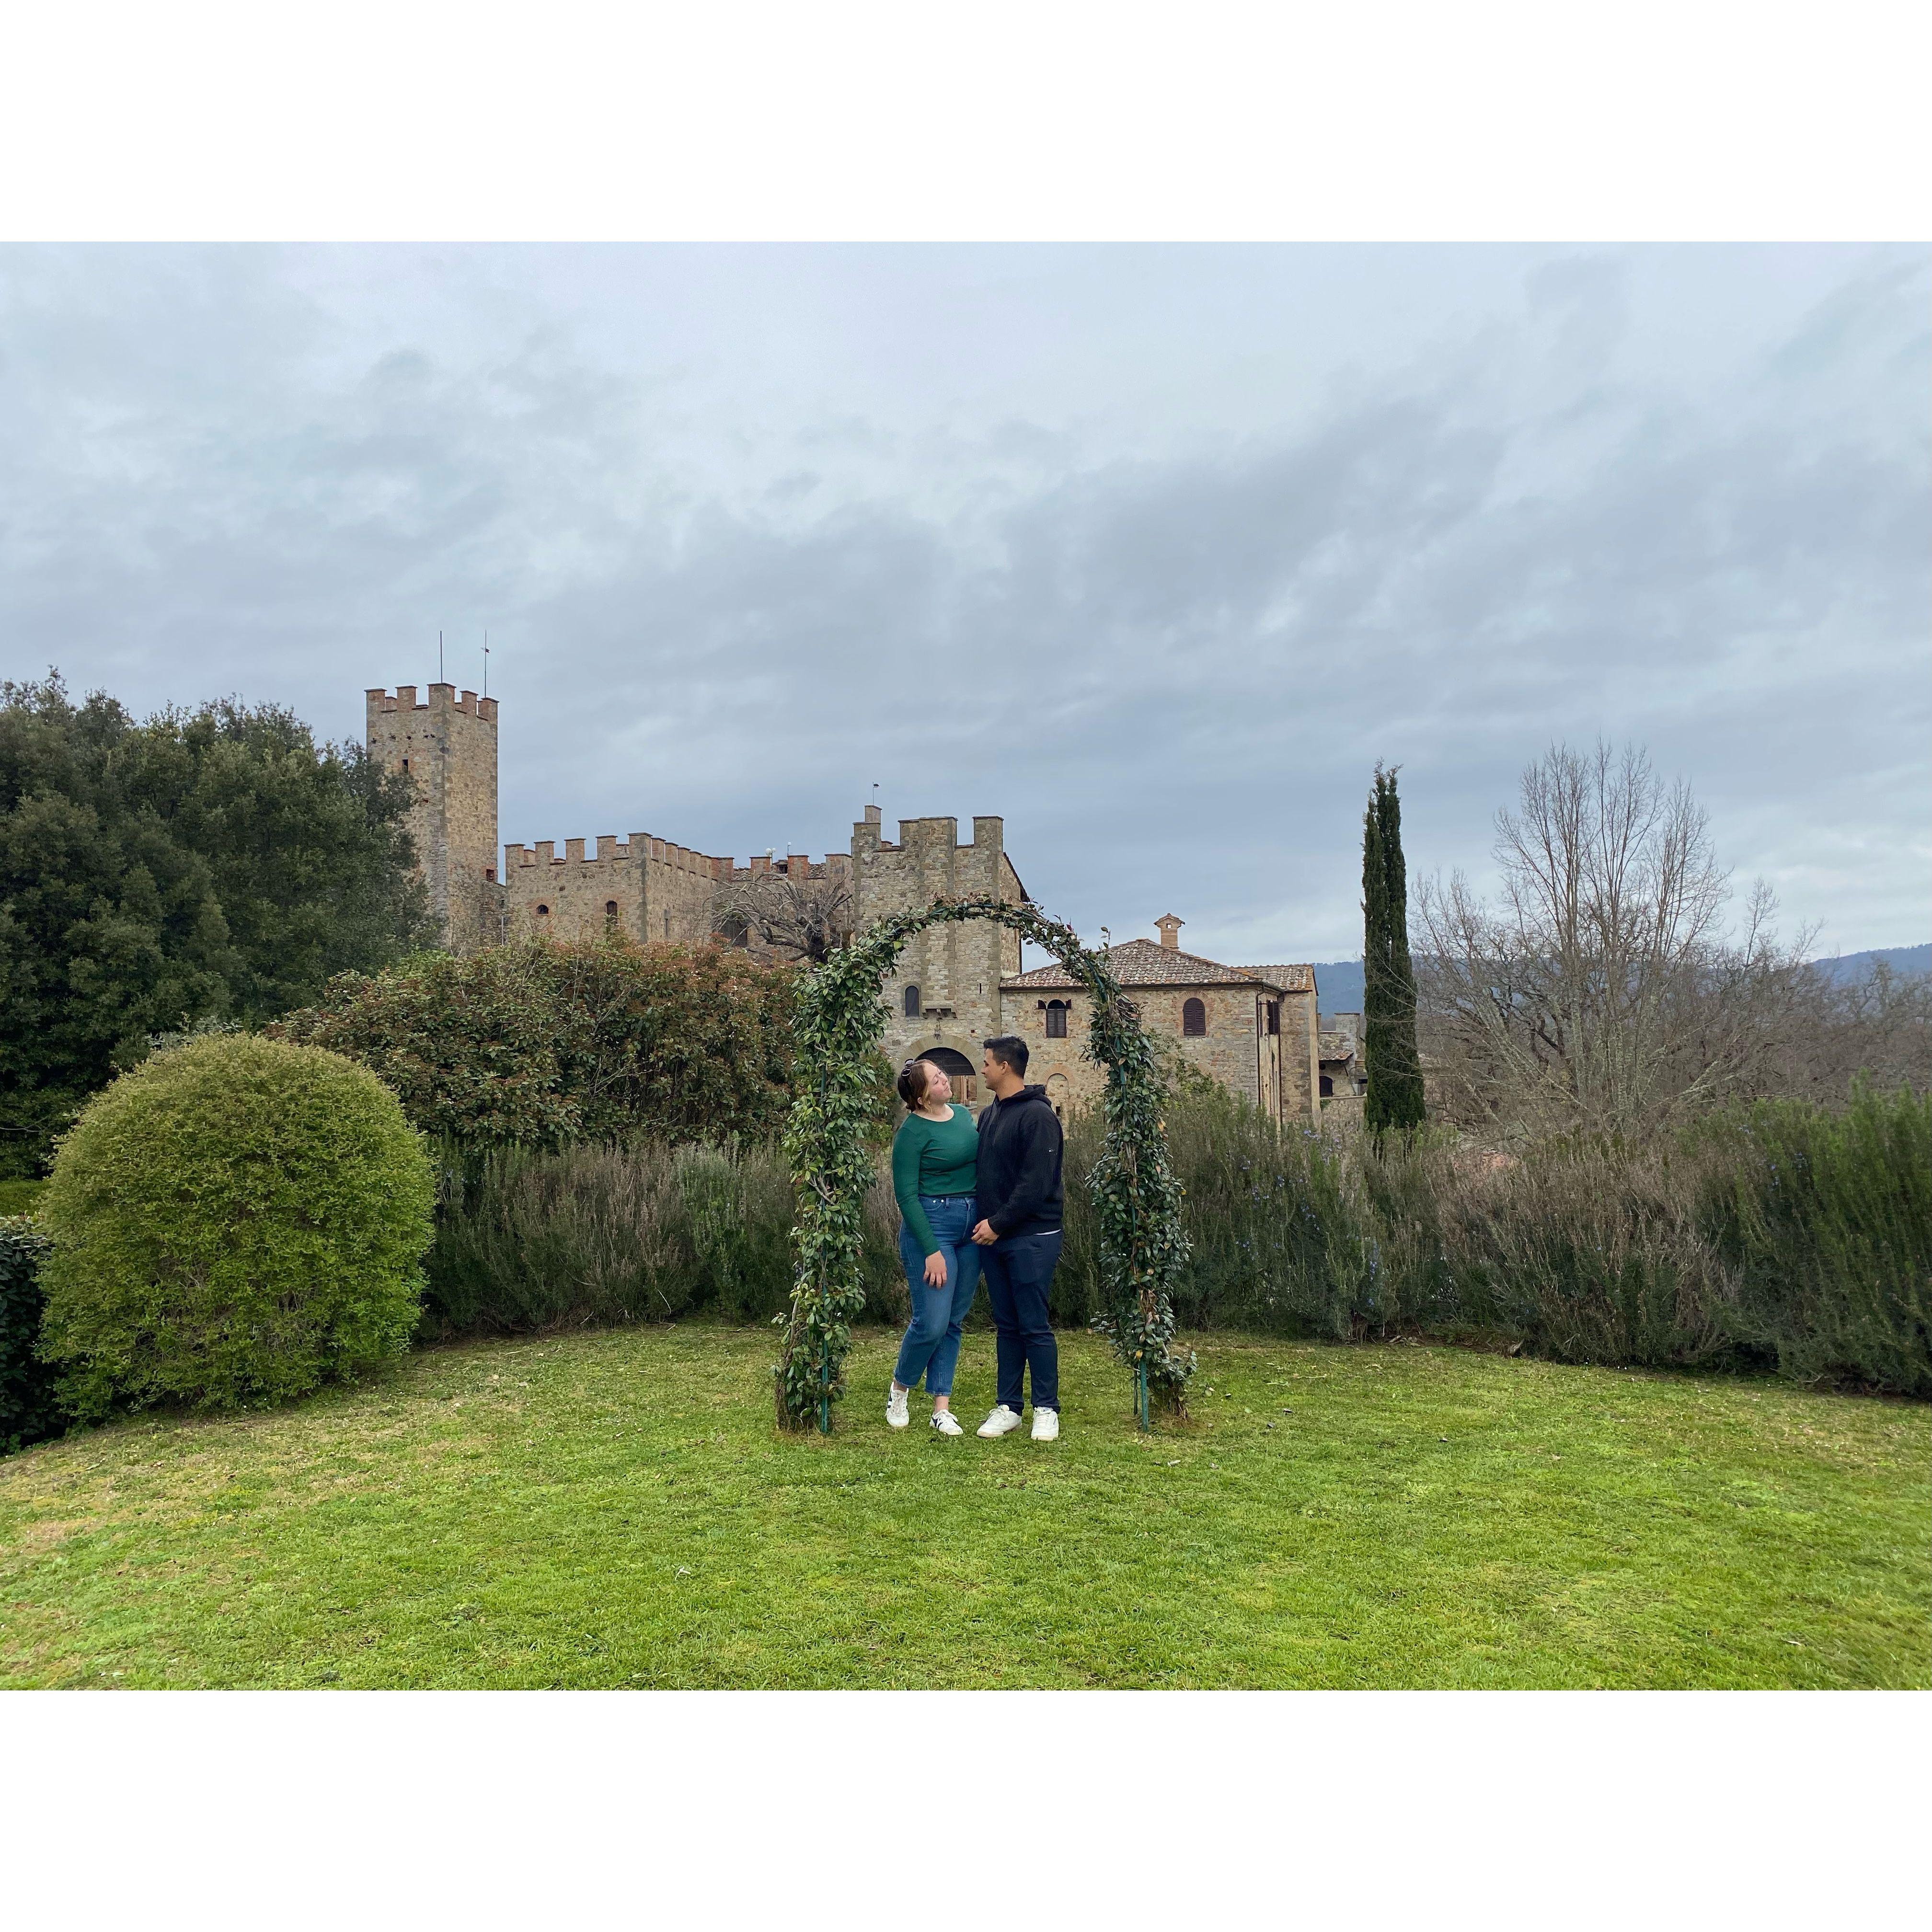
1169 929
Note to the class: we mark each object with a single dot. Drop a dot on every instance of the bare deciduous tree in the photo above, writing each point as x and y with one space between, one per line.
1604 991
807 916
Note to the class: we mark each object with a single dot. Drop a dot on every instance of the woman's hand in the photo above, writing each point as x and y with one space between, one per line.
935 1270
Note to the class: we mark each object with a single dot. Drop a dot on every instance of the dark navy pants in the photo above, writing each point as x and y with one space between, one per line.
1018 1272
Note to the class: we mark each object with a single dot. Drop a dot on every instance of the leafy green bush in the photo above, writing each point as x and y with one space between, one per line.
541 1045
642 1232
234 1222
28 1411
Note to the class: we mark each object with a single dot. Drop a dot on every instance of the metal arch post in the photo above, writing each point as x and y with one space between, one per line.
1140 1378
825 1386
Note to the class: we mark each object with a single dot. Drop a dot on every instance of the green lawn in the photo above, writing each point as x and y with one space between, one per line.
616 1509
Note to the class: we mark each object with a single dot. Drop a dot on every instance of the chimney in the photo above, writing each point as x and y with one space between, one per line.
1169 927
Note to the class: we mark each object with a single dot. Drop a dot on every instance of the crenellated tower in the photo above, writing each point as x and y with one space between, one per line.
447 748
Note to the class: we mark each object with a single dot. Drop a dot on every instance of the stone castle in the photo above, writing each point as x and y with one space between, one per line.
1254 1028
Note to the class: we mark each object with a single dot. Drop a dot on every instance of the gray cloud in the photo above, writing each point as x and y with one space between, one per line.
1157 558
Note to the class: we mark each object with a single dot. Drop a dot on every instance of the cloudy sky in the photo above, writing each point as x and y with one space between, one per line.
1155 551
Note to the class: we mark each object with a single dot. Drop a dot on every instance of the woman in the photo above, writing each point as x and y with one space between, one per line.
935 1154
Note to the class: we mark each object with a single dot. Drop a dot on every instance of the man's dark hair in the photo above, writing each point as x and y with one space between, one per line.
1009 1050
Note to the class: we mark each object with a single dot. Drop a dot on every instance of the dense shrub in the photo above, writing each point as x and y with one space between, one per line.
1785 1237
28 1411
643 1232
539 1045
234 1222
1275 1243
1825 1221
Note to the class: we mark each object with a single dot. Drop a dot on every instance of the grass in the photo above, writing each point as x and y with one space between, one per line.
616 1509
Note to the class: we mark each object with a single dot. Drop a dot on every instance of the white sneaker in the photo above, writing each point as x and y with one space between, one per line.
1046 1425
947 1423
896 1407
1002 1421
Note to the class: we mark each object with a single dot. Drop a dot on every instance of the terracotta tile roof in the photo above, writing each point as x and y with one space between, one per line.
1141 962
1288 979
1337 1046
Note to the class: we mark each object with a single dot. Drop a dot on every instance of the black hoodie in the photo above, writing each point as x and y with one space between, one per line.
1018 1188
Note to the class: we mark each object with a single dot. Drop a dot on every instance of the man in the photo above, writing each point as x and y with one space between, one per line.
1018 1203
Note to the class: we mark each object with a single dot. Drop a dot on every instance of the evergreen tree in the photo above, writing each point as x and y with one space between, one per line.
1394 1097
217 864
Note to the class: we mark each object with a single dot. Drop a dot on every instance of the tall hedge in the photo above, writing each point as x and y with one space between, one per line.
540 1045
234 1222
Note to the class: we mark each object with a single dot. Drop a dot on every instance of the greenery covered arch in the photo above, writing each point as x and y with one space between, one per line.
1137 1200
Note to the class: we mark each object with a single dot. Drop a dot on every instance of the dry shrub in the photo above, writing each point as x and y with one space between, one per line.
599 1234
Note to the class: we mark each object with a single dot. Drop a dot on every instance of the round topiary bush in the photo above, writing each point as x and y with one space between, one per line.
235 1222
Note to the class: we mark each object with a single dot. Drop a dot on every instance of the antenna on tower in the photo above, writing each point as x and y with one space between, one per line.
486 664
440 678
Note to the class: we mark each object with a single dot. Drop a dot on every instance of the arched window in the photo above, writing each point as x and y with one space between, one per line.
543 912
1056 1019
1194 1019
1327 1087
610 912
912 1005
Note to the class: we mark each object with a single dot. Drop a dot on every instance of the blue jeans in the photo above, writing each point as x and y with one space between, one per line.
932 1345
1019 1276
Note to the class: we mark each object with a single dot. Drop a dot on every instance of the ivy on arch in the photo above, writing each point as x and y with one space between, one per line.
840 1017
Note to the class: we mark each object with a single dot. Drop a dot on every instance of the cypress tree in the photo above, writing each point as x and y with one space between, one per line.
1394 1098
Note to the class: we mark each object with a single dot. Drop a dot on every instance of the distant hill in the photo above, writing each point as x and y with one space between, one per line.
1338 982
1338 985
1909 962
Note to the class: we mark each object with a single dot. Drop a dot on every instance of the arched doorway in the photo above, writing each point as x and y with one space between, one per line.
958 1068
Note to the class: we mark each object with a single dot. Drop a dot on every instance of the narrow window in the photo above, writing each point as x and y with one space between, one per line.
1056 1019
667 922
610 913
1327 1087
543 912
1194 1019
912 1003
1274 1015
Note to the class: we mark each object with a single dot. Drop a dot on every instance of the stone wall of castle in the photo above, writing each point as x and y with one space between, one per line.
1301 1057
649 889
447 748
956 969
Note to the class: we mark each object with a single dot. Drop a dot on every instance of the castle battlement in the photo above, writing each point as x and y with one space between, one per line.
442 697
613 850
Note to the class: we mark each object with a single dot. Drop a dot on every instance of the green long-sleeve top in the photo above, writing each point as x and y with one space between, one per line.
932 1157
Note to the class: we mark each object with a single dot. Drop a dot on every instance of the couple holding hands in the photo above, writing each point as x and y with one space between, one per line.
973 1200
